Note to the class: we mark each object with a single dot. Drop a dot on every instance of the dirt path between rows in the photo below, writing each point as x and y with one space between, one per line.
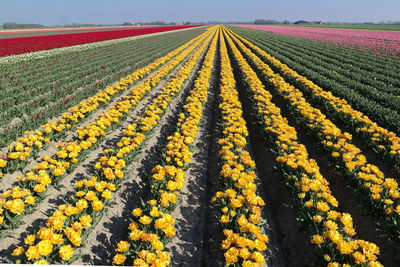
187 246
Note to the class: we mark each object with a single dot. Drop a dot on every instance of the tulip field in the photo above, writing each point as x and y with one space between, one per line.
202 145
375 41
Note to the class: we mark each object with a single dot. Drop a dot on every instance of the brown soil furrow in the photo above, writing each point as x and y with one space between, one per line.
211 237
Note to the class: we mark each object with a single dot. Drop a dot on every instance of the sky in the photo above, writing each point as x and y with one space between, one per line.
60 12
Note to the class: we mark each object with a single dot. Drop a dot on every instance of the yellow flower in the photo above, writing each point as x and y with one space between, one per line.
38 144
317 218
140 262
345 247
107 194
317 239
71 210
119 259
41 262
154 212
122 246
45 247
335 236
18 251
39 188
29 240
157 245
16 206
151 257
85 220
81 204
152 202
322 206
58 171
137 212
258 257
57 239
145 220
327 257
119 173
97 205
47 129
30 200
135 234
32 253
224 219
45 233
3 163
77 226
231 256
244 253
73 236
66 252
359 257
170 231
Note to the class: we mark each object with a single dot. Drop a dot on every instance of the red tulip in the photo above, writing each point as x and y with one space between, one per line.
20 45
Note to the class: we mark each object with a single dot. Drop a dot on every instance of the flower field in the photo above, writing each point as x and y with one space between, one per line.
204 146
20 45
375 41
4 34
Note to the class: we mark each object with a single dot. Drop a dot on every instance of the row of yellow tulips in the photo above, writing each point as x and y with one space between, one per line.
237 203
17 155
381 193
387 143
151 225
68 227
51 169
333 230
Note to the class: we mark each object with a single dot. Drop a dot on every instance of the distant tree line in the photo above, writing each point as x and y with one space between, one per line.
266 21
285 22
13 25
275 22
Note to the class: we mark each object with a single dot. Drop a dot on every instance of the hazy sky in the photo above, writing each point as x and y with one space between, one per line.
52 12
